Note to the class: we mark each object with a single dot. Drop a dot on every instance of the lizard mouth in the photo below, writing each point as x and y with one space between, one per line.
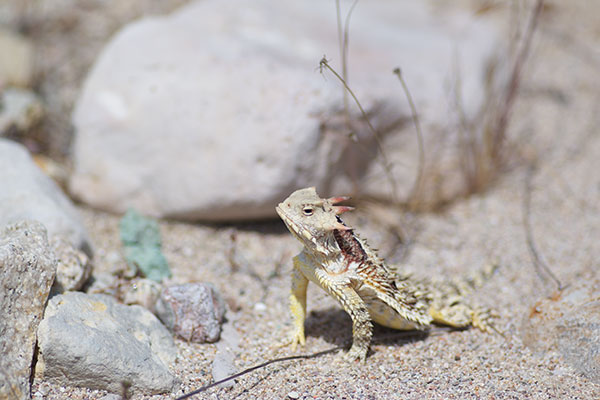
294 228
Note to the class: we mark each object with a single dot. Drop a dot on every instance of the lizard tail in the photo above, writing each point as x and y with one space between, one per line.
467 284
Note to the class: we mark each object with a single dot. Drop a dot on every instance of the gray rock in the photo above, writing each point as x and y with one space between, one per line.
73 266
111 396
168 122
29 194
223 367
223 364
94 342
193 311
569 323
27 270
16 59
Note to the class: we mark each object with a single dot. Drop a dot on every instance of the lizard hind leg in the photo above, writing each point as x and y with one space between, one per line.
460 315
455 315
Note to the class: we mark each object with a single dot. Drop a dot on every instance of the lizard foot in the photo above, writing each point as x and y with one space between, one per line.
295 337
356 353
483 319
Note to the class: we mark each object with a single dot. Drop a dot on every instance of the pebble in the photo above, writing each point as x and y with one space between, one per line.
193 311
73 265
20 111
260 307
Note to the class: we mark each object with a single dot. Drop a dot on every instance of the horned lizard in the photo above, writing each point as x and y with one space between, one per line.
335 258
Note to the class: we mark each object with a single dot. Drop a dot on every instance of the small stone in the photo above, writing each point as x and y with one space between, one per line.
20 111
103 283
27 270
223 364
73 265
223 367
111 396
143 292
293 395
193 311
82 334
44 389
260 307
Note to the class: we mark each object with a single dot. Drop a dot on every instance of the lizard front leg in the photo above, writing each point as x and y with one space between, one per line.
298 304
362 329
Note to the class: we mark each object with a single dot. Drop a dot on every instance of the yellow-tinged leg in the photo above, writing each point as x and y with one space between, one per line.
461 316
298 304
362 329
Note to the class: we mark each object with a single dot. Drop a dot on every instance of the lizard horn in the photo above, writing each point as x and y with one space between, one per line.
341 227
339 199
342 209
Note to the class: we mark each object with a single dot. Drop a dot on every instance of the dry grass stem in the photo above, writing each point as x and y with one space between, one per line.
416 192
541 267
387 166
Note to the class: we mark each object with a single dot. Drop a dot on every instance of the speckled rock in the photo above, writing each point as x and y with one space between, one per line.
141 291
27 270
569 323
94 342
193 311
27 193
168 122
73 265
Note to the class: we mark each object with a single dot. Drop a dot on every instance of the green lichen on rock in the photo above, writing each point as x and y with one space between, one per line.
141 241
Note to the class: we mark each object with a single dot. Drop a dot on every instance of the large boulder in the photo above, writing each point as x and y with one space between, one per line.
217 111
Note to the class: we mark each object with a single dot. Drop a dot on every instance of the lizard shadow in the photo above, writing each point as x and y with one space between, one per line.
335 327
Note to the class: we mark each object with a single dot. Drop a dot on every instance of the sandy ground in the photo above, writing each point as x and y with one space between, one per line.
556 121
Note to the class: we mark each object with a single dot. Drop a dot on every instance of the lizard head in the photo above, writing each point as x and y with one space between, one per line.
313 220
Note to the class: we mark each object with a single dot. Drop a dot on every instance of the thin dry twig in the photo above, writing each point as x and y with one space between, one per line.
499 135
254 368
343 39
387 166
346 41
418 184
539 264
341 45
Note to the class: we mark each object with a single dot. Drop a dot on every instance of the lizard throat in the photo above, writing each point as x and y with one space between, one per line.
350 247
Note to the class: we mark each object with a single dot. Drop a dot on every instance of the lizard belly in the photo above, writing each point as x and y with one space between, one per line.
387 316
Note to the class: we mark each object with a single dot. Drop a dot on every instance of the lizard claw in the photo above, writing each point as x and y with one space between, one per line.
297 337
356 353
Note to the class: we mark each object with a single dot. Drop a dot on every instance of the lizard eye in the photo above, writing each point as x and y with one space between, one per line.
308 211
